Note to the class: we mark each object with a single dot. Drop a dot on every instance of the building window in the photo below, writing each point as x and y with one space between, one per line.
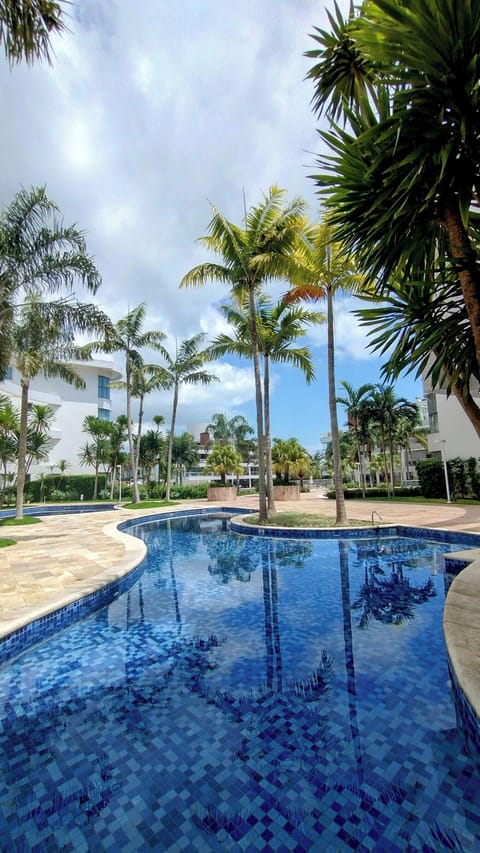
104 414
9 373
104 387
432 412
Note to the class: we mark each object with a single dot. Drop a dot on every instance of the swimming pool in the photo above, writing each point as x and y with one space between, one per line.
245 693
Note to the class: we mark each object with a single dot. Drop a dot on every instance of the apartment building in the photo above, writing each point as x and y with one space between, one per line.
70 406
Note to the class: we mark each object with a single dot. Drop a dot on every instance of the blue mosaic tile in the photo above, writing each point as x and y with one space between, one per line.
244 693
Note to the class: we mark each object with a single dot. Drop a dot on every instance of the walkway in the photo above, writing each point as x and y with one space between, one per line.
64 558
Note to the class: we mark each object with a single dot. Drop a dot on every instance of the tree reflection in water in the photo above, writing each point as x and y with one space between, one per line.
280 725
387 594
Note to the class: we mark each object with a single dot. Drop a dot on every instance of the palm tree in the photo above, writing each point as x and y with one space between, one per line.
223 459
116 440
9 429
129 338
390 413
279 325
220 428
39 442
145 379
187 368
26 28
266 248
184 454
289 458
96 452
401 182
354 404
330 270
424 327
43 343
37 253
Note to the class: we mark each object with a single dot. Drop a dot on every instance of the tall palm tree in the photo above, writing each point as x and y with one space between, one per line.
330 270
401 182
354 402
37 254
264 249
129 338
186 368
145 379
279 326
26 28
43 343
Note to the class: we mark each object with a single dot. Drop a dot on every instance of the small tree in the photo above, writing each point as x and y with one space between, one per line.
223 460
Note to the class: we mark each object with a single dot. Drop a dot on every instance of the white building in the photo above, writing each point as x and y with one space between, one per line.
451 432
70 405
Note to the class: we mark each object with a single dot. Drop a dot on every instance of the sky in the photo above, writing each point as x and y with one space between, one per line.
144 120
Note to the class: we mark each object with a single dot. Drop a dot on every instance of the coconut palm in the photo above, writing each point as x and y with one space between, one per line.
354 402
401 182
37 254
43 343
279 326
264 249
129 338
330 269
27 26
186 368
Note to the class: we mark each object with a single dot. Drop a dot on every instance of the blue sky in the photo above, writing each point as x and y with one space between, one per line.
141 123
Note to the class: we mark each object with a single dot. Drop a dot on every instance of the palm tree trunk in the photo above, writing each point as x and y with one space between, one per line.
341 513
139 433
170 441
22 448
262 494
131 443
465 257
268 438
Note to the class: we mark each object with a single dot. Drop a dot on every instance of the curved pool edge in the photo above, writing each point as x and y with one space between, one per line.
71 605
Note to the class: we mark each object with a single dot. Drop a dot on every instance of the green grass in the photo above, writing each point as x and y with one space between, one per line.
301 519
27 519
149 504
4 543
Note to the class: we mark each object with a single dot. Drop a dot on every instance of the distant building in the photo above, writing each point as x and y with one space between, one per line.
70 405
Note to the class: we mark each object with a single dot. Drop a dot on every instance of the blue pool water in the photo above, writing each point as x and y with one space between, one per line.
244 694
58 509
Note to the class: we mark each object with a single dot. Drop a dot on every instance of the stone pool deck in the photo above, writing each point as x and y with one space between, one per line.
66 557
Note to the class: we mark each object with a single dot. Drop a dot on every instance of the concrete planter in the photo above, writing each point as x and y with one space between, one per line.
286 493
221 493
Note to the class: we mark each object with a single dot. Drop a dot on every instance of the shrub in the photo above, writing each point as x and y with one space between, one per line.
431 476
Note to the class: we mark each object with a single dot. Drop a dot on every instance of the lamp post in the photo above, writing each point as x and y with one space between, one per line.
119 467
442 442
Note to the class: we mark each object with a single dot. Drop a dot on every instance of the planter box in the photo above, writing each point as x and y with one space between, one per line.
221 493
286 493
